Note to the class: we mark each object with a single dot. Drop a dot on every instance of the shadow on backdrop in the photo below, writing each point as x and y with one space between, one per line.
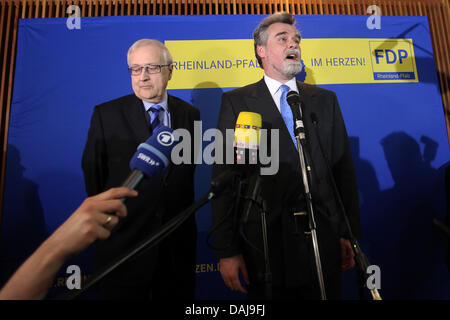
400 232
23 222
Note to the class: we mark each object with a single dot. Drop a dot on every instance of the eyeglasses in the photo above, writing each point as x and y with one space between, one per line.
149 68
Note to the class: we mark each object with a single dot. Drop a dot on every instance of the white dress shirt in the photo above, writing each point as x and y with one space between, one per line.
274 88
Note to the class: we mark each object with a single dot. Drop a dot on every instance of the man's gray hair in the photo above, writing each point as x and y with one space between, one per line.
150 42
260 34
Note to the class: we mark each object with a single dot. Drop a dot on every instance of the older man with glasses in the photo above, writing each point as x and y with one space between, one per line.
117 128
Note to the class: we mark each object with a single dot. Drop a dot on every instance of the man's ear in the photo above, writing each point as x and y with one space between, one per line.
170 67
261 51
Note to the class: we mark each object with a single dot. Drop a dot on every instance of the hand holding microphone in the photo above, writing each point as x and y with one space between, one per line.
88 223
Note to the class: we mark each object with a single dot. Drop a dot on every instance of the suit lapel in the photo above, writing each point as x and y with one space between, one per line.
261 101
134 113
177 113
177 120
307 96
309 106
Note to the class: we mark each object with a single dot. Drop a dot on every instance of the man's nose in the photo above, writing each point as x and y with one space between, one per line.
293 44
144 75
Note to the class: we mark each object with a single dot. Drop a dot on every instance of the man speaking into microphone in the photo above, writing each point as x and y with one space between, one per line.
290 254
166 271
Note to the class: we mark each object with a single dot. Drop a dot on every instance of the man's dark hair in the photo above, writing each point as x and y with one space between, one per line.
260 33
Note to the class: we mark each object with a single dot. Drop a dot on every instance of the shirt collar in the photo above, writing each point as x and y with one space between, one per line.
163 103
274 85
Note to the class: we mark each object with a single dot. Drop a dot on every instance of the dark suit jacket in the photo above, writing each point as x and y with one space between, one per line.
117 128
289 250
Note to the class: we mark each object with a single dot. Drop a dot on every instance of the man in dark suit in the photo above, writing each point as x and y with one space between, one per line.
117 128
277 48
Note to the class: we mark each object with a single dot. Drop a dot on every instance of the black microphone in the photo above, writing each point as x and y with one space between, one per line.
294 101
314 119
251 196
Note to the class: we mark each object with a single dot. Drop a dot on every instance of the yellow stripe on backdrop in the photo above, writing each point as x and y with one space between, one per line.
232 63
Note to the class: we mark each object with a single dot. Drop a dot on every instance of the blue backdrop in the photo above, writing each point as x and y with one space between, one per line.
397 131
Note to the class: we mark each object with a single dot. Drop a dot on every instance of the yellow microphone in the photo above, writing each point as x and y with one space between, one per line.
246 137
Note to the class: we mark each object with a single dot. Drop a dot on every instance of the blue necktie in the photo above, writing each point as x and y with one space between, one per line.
154 117
286 113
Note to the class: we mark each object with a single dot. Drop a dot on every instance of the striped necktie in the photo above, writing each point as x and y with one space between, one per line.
154 116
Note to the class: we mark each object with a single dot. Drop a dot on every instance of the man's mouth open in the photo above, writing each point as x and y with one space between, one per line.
292 56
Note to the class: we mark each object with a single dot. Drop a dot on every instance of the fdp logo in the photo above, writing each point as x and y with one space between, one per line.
393 59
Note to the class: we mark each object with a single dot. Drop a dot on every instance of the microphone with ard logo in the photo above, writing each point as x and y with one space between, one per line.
151 157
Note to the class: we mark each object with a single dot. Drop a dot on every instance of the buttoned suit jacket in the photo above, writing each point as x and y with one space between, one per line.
117 128
290 253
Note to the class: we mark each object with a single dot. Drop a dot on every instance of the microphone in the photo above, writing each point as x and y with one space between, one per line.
246 137
246 143
245 147
294 101
314 119
151 157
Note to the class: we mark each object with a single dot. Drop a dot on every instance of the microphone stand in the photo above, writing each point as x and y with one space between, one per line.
360 258
164 231
255 196
268 273
306 175
305 163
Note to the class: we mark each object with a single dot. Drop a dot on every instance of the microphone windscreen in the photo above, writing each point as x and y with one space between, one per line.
153 155
293 98
247 130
